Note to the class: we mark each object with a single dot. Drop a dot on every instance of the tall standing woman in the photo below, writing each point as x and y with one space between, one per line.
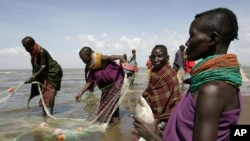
213 101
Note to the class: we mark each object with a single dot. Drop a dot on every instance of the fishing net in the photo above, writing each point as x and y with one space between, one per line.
92 114
6 94
71 120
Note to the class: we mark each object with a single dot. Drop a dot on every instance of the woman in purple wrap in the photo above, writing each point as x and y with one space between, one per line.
103 71
213 101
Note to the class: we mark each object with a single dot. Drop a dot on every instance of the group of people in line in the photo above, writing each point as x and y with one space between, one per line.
205 112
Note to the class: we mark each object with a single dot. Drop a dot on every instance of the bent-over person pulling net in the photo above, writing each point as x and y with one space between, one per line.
105 73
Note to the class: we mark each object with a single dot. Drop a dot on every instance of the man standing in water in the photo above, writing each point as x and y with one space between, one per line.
46 71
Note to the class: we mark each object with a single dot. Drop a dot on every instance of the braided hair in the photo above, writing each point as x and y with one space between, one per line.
220 20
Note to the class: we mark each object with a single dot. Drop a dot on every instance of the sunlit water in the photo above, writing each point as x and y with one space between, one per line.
19 123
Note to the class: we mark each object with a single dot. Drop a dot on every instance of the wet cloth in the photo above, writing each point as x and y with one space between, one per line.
52 73
162 93
181 123
109 80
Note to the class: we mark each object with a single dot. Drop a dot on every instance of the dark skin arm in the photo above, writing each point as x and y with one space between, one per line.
113 57
42 56
84 89
149 132
212 99
105 59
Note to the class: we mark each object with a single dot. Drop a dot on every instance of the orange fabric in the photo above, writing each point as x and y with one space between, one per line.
96 61
217 62
35 50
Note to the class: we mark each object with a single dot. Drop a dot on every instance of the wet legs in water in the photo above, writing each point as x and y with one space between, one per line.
52 103
51 106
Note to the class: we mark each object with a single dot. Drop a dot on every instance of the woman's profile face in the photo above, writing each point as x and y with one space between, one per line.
85 55
198 42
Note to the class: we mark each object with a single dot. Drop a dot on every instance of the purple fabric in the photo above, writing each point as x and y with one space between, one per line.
109 75
181 123
109 80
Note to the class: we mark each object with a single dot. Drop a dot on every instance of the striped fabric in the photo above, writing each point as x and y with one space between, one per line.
48 91
162 92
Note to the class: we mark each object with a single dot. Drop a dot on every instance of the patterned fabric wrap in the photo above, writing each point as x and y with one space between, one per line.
52 73
109 99
109 80
218 67
162 92
96 61
48 91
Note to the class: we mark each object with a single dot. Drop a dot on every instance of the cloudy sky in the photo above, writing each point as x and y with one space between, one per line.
63 27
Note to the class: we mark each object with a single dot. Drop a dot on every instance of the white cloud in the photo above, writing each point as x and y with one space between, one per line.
13 51
132 43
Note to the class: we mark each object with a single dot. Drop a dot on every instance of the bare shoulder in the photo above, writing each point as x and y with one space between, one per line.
219 93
